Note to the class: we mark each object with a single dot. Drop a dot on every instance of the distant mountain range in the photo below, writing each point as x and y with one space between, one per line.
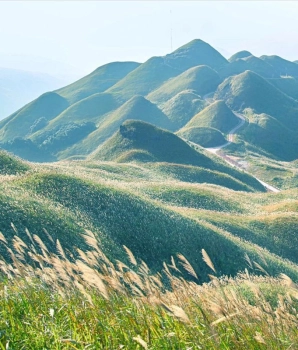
193 91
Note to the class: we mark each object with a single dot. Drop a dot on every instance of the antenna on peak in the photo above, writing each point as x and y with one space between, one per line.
171 30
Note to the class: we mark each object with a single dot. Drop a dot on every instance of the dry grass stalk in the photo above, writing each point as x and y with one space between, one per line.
140 341
130 256
187 266
60 249
207 260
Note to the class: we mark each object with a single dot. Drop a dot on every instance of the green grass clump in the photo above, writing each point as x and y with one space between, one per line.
10 165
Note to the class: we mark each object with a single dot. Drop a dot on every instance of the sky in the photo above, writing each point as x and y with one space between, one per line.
76 37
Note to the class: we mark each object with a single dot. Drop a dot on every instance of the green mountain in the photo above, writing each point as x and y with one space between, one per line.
239 55
157 70
98 81
33 116
270 135
282 67
203 136
200 79
217 116
195 53
251 63
208 126
249 90
287 85
182 107
143 142
137 108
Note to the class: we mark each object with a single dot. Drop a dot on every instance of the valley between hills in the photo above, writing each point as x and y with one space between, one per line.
164 193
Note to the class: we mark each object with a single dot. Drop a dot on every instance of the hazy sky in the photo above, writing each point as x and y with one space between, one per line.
87 34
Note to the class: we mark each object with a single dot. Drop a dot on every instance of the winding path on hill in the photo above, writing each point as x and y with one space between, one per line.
231 137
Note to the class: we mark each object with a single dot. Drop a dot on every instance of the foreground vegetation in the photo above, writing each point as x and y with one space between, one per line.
67 283
86 302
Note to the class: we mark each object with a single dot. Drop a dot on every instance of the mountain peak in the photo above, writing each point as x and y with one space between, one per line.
196 52
239 55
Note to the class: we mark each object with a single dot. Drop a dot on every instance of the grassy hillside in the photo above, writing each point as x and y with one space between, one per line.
120 208
182 107
250 90
98 81
200 79
287 85
239 55
139 141
203 136
10 165
157 70
33 116
208 126
270 135
196 52
281 66
251 63
217 116
87 111
137 108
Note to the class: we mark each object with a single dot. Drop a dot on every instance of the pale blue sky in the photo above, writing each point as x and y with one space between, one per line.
86 34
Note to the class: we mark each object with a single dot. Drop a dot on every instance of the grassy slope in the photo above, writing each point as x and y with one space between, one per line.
10 165
270 135
90 109
203 136
251 63
47 106
151 230
148 143
136 108
200 79
208 126
250 90
154 72
182 107
282 67
287 85
98 81
217 116
239 55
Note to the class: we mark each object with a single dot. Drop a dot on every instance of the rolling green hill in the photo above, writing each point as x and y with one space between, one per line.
282 67
137 108
200 79
33 116
251 63
182 107
217 116
287 85
143 142
10 165
142 207
208 126
249 90
98 81
157 70
239 55
270 135
203 136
